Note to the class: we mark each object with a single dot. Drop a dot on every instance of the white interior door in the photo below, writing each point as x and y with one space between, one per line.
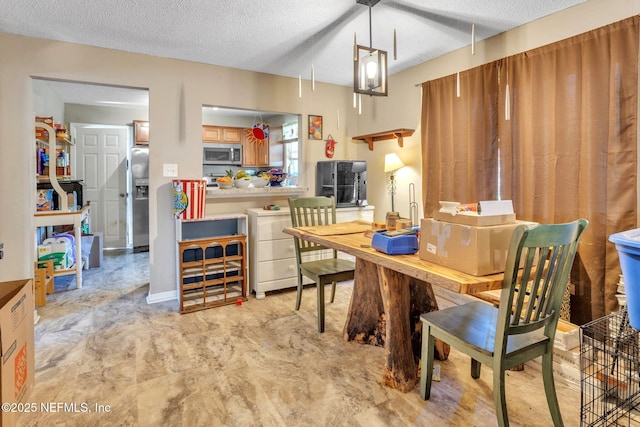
101 153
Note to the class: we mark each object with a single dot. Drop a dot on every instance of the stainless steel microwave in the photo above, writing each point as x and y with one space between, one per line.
222 154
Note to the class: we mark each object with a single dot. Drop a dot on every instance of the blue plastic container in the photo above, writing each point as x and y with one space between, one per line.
403 244
628 246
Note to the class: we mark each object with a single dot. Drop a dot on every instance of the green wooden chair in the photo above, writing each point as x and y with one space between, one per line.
523 327
310 211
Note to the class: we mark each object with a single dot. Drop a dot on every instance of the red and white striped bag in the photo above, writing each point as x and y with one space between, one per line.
189 198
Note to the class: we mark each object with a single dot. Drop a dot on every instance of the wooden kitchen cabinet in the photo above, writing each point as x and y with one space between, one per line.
231 134
254 154
211 133
221 134
262 154
141 132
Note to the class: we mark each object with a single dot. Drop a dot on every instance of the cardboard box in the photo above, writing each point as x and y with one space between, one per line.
41 132
567 335
473 250
95 255
474 219
60 253
44 200
86 245
17 344
492 212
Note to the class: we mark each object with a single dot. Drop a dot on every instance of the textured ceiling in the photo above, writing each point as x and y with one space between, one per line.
283 37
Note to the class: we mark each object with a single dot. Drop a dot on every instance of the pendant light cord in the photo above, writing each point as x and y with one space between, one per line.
370 37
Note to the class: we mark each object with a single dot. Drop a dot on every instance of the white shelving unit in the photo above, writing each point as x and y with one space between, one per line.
273 258
63 216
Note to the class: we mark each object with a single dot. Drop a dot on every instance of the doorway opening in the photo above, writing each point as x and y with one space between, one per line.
99 120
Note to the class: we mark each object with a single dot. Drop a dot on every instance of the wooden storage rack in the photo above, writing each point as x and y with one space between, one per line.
43 281
212 272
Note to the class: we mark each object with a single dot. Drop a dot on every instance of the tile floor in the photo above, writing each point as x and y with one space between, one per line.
260 364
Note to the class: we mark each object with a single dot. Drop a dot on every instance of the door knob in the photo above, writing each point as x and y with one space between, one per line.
123 194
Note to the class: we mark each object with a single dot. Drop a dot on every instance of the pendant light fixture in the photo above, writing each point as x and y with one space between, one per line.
369 64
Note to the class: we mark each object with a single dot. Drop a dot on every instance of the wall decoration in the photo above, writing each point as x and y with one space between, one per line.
315 127
258 134
330 146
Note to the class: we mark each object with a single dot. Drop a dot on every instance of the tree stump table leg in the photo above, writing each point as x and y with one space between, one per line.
400 371
423 300
385 310
365 322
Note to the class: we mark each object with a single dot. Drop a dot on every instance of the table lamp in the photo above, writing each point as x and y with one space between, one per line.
392 163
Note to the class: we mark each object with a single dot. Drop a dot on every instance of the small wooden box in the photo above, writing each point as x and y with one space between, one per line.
40 132
60 171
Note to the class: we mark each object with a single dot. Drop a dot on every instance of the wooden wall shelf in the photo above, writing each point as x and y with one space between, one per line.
398 134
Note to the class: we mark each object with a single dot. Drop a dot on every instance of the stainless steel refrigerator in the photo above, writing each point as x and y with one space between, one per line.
140 198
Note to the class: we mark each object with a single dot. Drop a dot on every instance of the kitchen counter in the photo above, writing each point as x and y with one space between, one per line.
254 192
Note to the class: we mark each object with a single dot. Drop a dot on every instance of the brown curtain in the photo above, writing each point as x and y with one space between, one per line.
562 147
460 137
569 148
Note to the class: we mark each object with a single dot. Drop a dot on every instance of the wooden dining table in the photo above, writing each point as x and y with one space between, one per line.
389 294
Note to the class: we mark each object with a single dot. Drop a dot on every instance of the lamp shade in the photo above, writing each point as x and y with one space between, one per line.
392 162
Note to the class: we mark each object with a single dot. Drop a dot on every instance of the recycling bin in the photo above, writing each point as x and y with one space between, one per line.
628 246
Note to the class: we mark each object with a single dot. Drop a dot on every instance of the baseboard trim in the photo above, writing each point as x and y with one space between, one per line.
162 297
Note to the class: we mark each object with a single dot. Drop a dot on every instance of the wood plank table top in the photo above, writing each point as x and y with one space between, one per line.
358 245
389 294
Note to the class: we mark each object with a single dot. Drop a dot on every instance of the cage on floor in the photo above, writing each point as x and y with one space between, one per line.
609 376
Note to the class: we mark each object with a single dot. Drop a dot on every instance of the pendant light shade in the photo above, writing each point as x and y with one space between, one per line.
370 71
369 64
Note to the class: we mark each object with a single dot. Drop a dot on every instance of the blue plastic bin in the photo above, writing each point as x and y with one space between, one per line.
628 246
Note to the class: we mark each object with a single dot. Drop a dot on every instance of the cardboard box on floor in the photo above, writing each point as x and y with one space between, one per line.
473 250
87 244
95 255
16 336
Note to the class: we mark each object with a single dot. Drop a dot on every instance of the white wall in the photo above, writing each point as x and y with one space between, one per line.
177 91
103 115
46 103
